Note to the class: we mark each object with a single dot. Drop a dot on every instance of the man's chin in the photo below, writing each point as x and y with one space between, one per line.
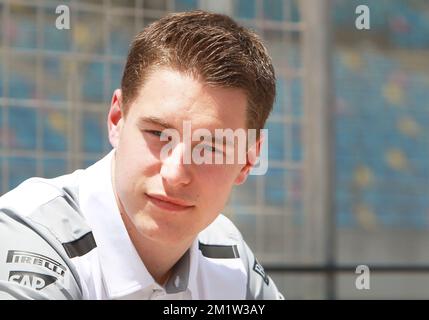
160 231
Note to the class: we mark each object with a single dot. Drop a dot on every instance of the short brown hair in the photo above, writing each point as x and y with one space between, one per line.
209 46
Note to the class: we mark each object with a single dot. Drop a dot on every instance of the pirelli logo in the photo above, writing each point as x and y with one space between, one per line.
25 257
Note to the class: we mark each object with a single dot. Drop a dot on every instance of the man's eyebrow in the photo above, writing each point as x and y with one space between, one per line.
154 120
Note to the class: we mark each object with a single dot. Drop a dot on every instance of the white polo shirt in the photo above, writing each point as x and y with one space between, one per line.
123 272
73 222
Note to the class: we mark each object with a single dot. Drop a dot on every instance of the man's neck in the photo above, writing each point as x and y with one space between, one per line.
157 257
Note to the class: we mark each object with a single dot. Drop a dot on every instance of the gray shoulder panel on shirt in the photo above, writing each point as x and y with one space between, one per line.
218 251
222 239
81 246
38 247
67 224
62 217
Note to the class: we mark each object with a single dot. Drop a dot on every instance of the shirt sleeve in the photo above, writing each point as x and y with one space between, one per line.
259 285
33 264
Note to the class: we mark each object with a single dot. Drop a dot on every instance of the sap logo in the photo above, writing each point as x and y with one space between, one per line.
33 280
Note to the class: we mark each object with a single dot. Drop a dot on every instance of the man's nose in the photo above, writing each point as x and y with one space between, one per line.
173 168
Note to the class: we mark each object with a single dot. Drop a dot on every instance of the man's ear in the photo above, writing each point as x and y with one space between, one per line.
252 156
115 118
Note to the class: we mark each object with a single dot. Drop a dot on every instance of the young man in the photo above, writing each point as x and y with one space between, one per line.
140 224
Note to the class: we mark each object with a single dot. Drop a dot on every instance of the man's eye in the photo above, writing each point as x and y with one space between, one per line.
212 149
154 132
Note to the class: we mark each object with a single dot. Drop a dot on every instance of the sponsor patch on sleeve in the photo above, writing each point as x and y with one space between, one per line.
260 270
33 280
25 257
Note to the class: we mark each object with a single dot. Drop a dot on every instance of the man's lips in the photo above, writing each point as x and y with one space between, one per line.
168 203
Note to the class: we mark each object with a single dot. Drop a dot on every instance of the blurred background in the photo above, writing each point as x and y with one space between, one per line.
348 178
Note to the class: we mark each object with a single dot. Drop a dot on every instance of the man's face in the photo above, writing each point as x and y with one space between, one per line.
165 199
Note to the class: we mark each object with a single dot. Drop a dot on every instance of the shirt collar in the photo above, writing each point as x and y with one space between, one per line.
122 268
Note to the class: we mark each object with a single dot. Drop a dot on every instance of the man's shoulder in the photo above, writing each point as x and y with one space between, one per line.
221 231
50 208
35 192
222 240
41 229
